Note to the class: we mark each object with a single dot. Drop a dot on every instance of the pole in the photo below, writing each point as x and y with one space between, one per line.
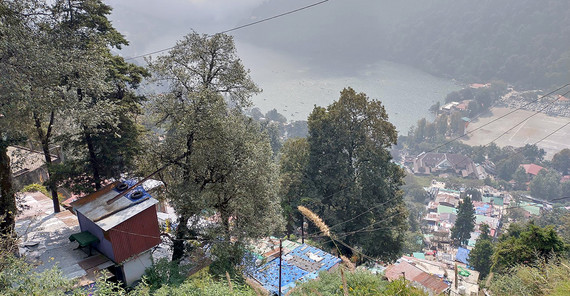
455 276
303 230
280 246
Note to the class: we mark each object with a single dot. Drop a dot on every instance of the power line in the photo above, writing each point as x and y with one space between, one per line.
240 27
496 119
511 128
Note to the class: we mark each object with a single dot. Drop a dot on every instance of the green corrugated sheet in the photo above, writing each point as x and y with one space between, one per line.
419 255
445 209
480 219
497 200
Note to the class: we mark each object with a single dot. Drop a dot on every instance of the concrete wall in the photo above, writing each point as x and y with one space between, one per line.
134 268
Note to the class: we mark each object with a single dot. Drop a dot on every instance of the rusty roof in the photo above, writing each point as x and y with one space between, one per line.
396 271
431 282
95 207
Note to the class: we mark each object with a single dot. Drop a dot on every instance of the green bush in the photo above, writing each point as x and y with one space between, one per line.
552 278
35 188
165 272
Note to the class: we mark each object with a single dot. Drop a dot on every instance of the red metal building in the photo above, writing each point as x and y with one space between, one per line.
127 227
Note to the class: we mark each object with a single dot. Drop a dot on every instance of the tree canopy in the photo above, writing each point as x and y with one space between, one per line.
220 161
465 223
350 167
524 244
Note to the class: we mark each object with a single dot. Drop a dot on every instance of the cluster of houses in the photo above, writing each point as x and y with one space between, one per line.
445 164
442 210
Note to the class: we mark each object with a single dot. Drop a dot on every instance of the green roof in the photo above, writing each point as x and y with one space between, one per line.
480 219
419 255
497 200
445 209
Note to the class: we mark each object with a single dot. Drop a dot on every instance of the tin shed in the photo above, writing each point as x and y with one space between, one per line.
127 227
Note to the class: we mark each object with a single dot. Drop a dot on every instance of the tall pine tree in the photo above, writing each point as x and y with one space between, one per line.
465 222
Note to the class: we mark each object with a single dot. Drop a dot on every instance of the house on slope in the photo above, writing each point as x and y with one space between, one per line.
124 229
439 163
28 166
532 169
430 283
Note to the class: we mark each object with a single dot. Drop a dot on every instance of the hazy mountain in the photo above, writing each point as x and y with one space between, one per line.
523 42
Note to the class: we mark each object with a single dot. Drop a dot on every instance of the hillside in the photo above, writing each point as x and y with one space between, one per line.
525 43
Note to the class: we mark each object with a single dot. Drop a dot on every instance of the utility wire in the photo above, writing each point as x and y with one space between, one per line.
496 119
511 128
239 27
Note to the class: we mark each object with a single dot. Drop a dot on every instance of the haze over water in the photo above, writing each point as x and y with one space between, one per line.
293 86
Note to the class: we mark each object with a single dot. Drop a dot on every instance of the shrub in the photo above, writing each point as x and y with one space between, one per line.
35 188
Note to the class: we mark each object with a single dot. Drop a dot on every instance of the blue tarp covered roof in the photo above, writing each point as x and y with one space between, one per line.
302 263
462 255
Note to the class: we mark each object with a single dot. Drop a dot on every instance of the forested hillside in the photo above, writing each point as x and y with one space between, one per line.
525 43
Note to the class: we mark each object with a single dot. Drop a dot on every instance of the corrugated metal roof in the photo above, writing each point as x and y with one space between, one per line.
135 235
95 207
302 263
431 282
403 268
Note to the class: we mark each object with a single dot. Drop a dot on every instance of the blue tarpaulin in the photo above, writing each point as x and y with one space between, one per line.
462 255
301 264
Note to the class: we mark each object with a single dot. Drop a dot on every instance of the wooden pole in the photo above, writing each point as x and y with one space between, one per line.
455 276
303 230
280 252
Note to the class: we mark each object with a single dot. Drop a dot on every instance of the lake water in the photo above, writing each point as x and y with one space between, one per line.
293 87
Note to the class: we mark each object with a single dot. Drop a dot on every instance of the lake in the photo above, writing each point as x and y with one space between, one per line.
293 86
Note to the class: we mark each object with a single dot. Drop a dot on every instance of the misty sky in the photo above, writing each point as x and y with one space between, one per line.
151 25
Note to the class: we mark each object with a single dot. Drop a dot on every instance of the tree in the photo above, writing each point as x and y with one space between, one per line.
212 166
99 133
16 40
524 244
473 193
532 153
545 185
275 116
295 182
521 178
507 167
349 163
456 124
561 161
358 282
465 223
441 124
435 108
480 256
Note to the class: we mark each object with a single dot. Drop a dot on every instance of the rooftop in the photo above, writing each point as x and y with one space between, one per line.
25 160
44 240
532 168
96 206
302 263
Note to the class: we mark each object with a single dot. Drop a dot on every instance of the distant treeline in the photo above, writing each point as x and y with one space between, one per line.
522 42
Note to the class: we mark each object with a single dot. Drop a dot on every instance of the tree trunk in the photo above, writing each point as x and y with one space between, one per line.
93 161
181 231
225 216
44 138
7 197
